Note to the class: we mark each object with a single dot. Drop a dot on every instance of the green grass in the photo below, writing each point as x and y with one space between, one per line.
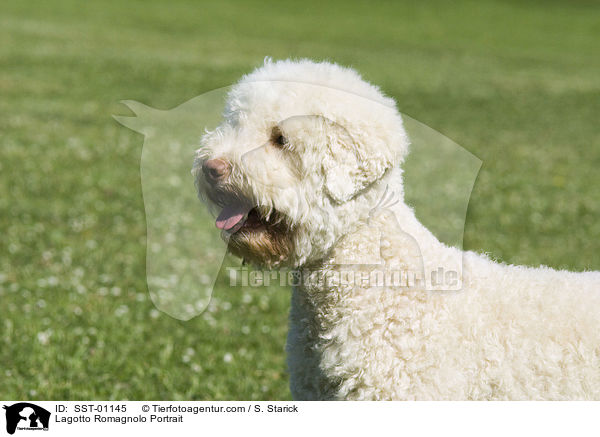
516 83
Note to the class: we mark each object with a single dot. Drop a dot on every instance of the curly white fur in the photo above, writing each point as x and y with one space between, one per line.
512 332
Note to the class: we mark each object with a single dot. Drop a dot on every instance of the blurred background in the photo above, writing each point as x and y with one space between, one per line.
516 83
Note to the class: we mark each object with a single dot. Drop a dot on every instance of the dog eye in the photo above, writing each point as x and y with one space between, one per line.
278 139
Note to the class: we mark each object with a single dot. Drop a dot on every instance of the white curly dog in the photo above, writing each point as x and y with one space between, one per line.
301 171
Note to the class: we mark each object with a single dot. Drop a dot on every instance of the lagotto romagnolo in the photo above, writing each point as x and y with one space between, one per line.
297 171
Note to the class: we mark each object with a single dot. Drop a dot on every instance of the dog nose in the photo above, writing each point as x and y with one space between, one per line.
216 169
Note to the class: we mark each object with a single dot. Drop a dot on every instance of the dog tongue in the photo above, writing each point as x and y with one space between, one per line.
230 216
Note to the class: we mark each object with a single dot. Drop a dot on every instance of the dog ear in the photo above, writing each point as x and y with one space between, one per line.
350 166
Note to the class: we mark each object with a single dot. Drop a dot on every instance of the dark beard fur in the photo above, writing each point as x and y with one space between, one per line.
269 246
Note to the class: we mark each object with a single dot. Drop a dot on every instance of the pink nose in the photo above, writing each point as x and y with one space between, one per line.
216 169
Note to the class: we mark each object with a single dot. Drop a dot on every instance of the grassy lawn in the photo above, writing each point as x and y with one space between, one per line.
515 83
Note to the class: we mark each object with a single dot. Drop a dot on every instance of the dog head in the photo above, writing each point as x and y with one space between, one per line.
291 167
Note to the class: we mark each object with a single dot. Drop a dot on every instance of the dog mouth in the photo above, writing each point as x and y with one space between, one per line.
234 218
257 233
239 215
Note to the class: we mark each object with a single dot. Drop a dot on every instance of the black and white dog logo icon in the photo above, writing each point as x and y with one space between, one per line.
26 416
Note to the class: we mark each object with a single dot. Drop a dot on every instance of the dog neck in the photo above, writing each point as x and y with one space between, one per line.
377 224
